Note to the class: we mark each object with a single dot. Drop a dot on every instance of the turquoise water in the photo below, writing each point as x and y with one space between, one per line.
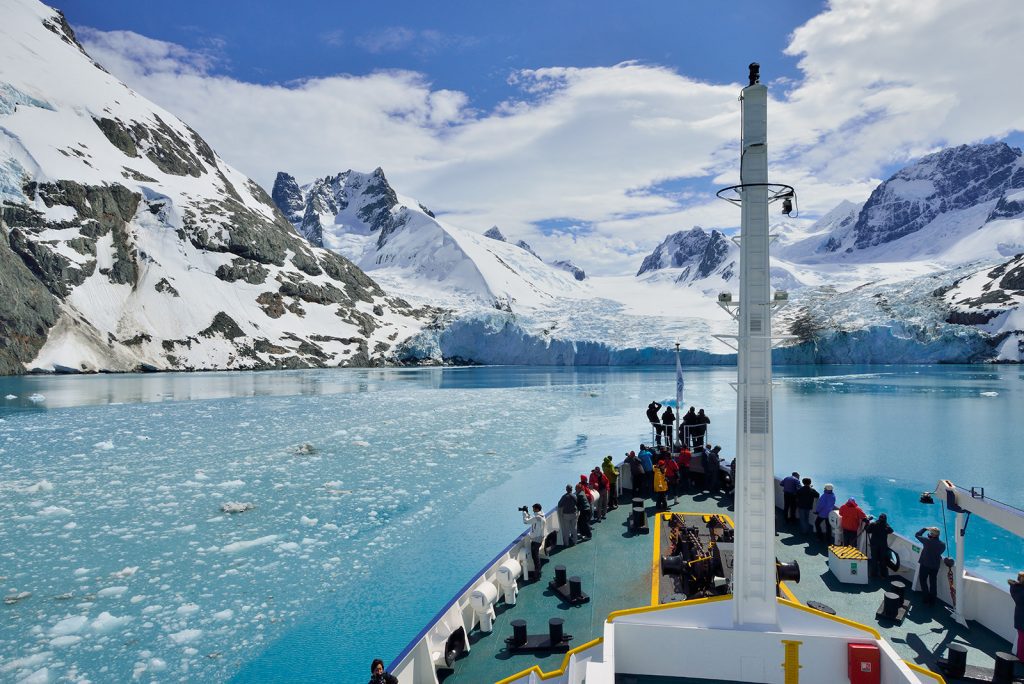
378 493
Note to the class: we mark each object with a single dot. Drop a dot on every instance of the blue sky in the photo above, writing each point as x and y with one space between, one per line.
470 46
590 129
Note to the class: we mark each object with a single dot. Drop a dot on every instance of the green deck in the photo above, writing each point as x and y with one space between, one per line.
615 568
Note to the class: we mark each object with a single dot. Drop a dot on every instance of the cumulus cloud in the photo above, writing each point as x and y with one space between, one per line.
883 81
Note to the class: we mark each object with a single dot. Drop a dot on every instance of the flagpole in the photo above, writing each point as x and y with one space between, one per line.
679 399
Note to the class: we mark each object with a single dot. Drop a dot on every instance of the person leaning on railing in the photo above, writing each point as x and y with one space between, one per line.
1017 594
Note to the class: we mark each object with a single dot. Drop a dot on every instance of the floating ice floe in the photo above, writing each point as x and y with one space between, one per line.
125 572
105 445
36 398
305 448
231 484
50 511
11 396
309 522
235 547
69 625
111 591
108 623
235 507
990 394
185 636
360 443
41 486
11 599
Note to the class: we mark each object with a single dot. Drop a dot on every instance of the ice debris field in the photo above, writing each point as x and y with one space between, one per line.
177 538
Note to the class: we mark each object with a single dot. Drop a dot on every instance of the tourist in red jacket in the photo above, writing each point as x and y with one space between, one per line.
850 518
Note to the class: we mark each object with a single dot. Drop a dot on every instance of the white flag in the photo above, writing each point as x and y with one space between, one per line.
679 386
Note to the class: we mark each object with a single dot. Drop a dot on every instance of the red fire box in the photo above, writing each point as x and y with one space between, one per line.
865 663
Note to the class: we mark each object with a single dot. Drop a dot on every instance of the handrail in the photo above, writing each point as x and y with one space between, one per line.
553 673
926 672
664 606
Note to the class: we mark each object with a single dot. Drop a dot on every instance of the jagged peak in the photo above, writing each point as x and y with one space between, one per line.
495 234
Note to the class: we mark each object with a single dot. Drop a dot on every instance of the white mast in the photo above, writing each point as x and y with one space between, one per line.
754 598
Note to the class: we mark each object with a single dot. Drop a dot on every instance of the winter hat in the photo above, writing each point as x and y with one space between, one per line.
851 500
933 532
828 487
607 459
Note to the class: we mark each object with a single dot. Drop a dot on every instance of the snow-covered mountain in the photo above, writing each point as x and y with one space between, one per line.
415 254
127 242
955 215
694 257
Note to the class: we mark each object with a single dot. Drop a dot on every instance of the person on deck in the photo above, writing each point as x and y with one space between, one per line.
683 460
599 483
636 473
826 504
378 675
700 430
689 422
672 475
1017 594
850 518
929 561
714 468
660 487
567 517
647 462
878 542
612 473
805 498
790 484
652 415
536 534
592 496
584 508
668 421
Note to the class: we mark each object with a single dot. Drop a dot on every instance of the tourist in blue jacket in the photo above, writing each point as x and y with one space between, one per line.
647 463
826 504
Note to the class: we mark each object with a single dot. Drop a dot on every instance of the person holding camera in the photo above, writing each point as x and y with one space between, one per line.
536 535
378 675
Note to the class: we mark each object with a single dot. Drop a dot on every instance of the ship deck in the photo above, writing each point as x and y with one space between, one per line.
615 569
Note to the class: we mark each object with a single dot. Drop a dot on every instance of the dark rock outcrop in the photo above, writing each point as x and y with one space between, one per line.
955 178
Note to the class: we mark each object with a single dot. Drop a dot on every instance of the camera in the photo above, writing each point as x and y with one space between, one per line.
524 509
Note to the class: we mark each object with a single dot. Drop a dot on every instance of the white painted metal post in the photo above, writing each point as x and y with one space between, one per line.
959 612
754 583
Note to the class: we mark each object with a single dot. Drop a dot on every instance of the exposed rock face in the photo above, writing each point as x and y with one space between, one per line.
952 179
27 310
577 272
288 197
525 246
134 245
697 253
495 234
676 250
366 199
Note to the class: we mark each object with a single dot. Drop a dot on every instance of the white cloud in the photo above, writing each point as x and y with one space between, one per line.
884 81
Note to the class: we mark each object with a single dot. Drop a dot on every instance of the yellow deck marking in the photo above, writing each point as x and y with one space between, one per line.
791 665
